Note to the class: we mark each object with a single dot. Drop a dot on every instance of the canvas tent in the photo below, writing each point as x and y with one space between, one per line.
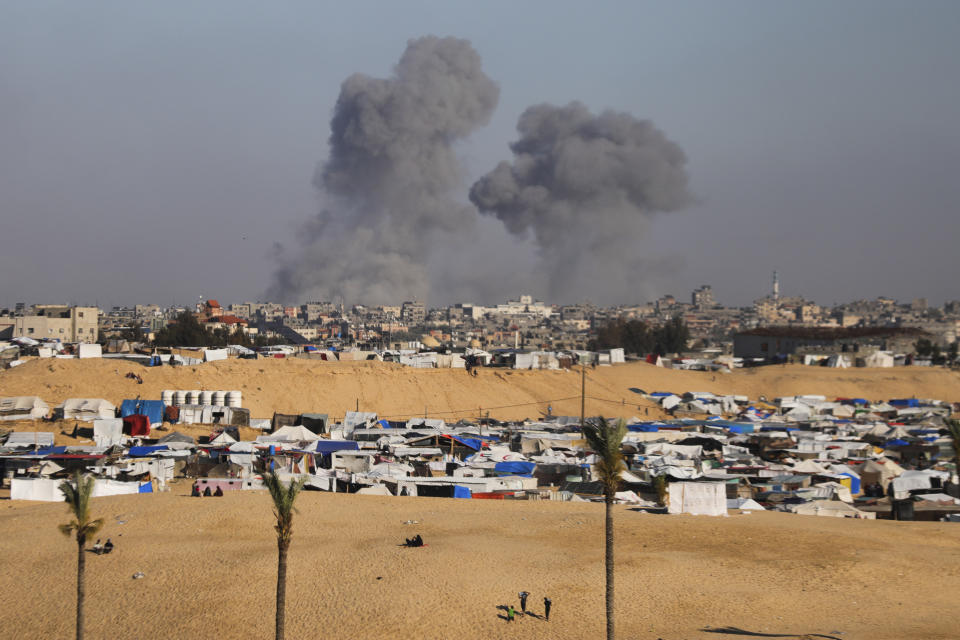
153 409
107 431
23 408
38 439
86 409
698 498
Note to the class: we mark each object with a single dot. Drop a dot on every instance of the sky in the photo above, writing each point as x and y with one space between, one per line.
164 152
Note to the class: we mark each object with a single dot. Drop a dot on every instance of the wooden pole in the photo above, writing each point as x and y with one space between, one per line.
583 394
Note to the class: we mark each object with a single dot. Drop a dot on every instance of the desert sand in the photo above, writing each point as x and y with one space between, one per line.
210 571
394 391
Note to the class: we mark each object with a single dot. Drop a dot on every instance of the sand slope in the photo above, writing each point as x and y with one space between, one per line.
210 568
297 385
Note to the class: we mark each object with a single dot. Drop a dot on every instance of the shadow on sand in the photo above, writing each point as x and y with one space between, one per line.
735 631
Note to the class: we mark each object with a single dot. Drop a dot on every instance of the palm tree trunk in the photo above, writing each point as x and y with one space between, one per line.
282 547
81 560
608 561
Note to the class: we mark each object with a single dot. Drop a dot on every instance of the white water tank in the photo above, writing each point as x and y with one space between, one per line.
234 399
193 396
166 396
180 397
219 398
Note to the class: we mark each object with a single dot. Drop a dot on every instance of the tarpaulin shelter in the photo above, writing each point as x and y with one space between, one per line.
316 422
136 425
23 408
86 409
107 431
517 468
698 498
153 409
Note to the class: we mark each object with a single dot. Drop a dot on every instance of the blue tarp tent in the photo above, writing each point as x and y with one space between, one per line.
459 491
897 442
153 409
643 427
524 469
473 443
139 452
52 451
329 446
905 402
146 487
741 428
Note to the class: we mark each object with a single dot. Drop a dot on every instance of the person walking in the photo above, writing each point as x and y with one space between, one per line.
523 601
546 608
510 613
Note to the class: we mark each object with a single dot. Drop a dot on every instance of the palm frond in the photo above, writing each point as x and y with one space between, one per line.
77 493
605 439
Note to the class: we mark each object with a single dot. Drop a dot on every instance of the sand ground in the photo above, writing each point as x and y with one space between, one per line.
297 385
210 571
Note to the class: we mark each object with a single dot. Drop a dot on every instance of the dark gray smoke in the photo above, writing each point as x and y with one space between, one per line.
386 188
584 185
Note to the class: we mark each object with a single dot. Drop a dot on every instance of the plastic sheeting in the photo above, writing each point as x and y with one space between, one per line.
698 498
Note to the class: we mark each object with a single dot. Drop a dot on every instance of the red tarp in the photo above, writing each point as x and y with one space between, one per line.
487 496
136 425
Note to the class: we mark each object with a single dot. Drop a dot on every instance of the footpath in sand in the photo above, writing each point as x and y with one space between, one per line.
210 571
298 385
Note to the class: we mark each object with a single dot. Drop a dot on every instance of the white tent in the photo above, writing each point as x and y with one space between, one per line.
41 439
223 439
838 361
698 498
23 408
879 359
744 504
209 355
107 431
832 508
47 490
89 351
86 409
290 434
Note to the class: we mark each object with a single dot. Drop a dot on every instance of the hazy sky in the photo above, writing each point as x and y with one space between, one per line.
159 152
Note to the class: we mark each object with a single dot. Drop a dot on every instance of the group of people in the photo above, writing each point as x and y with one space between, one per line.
100 549
195 492
415 541
523 595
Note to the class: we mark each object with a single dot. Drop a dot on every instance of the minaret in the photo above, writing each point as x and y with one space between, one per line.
776 287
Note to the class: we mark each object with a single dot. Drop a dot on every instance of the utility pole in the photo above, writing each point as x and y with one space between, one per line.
583 394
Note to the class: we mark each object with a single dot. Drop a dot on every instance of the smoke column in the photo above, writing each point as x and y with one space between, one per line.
584 186
386 187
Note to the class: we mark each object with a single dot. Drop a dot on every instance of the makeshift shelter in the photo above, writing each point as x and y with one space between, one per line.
153 409
316 422
107 431
879 359
35 439
85 409
880 472
136 426
291 434
23 408
698 498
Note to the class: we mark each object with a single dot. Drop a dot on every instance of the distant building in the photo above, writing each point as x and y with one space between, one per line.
57 322
702 298
768 342
413 313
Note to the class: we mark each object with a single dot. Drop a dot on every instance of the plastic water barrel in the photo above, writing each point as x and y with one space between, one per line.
219 398
166 396
193 396
180 397
206 397
234 399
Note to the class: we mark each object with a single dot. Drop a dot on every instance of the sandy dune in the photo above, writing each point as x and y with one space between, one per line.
392 390
210 568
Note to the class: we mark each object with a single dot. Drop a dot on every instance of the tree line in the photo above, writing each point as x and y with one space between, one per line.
640 338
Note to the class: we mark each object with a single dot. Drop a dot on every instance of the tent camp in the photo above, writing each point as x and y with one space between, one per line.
880 471
36 439
23 408
86 409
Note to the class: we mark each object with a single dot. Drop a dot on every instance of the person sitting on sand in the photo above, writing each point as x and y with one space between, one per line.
195 491
219 492
107 548
98 547
418 541
207 493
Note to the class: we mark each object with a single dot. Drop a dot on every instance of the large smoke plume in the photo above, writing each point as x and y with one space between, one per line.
584 186
388 186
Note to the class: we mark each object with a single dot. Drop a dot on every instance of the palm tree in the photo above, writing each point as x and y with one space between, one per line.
605 440
283 496
77 494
